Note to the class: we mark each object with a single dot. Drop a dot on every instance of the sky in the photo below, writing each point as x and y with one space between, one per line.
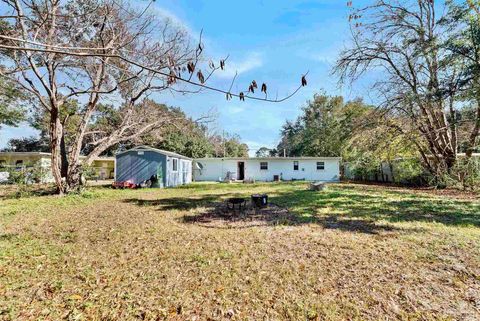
266 40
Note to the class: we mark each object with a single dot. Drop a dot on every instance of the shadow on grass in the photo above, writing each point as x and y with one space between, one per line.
283 210
8 237
392 207
213 218
347 209
177 203
15 192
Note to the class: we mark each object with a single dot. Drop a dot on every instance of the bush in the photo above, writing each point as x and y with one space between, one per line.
365 169
88 172
465 174
410 172
27 174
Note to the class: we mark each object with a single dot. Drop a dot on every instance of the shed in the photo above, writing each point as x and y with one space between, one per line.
143 163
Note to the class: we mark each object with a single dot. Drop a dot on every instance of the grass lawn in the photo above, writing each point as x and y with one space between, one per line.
352 252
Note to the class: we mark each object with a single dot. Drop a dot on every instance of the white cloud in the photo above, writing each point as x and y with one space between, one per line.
236 109
253 60
176 21
328 59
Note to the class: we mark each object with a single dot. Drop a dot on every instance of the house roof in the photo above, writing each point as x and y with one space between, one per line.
269 158
24 154
156 150
43 154
101 158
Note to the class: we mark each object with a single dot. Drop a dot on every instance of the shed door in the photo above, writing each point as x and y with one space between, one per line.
184 172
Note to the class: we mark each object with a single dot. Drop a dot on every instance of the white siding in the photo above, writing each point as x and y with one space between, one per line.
186 171
216 169
183 174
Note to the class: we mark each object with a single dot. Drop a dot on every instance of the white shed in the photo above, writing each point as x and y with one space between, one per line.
267 168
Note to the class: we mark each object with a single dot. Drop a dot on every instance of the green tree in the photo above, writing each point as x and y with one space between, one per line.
463 22
28 144
12 112
425 57
376 145
263 152
186 137
235 148
178 133
324 128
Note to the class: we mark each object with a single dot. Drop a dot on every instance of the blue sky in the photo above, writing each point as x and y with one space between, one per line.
269 41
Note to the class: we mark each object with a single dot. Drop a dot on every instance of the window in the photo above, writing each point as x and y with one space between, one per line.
295 165
263 166
174 164
320 166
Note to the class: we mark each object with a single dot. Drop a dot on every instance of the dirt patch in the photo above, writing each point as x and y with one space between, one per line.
218 215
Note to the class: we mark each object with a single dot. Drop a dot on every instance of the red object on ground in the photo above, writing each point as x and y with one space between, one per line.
126 184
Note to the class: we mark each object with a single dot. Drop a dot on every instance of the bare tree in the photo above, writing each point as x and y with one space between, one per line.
404 41
95 51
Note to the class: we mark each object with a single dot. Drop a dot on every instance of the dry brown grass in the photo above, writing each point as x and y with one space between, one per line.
349 253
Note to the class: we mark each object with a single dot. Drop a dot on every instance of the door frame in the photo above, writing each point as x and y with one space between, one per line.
238 170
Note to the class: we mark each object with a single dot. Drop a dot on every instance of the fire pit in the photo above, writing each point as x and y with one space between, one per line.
236 201
259 200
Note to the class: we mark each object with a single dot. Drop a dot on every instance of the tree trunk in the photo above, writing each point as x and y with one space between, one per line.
64 158
74 177
56 132
392 176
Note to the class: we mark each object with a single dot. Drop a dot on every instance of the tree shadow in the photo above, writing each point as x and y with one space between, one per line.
177 203
393 207
357 225
33 190
214 213
8 237
338 208
217 217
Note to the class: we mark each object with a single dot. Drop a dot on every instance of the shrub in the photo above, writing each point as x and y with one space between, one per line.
410 172
365 168
88 172
465 174
27 174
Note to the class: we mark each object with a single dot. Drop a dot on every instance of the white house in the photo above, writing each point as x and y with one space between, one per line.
103 166
267 168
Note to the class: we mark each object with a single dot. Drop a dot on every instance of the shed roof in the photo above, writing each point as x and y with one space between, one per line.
156 150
